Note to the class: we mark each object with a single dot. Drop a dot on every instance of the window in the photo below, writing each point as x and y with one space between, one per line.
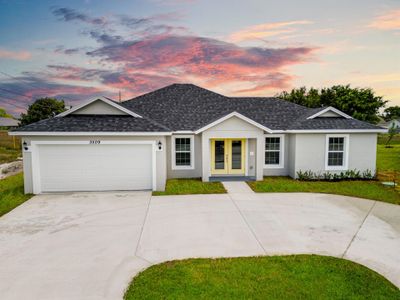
182 152
273 151
336 152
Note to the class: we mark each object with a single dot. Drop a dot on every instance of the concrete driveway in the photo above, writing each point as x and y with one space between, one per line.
90 245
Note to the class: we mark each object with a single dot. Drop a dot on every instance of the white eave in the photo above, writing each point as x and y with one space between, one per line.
88 133
378 130
332 109
105 100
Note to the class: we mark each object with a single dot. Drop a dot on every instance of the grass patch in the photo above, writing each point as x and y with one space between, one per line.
274 277
191 186
12 193
364 189
388 159
8 150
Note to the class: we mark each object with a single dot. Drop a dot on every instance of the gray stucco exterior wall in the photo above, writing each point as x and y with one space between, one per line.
310 152
191 173
284 170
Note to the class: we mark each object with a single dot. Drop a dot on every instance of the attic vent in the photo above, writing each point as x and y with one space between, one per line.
329 112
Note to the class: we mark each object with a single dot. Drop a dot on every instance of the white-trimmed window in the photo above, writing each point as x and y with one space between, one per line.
274 151
336 156
182 152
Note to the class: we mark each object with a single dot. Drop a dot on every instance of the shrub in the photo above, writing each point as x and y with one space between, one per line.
306 175
327 176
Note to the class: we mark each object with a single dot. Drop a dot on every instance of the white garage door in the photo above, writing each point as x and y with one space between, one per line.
103 167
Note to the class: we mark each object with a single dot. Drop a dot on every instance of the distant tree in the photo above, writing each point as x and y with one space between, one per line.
392 112
41 109
360 103
4 114
391 133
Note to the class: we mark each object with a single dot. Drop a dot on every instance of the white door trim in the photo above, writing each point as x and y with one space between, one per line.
36 165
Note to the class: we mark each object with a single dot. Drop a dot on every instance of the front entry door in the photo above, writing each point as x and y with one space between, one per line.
227 156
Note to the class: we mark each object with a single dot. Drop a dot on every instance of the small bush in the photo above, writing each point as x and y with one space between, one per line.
327 176
306 175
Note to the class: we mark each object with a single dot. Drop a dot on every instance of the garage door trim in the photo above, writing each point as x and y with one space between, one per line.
36 165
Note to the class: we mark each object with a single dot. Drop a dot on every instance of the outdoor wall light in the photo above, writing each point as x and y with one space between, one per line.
159 145
25 145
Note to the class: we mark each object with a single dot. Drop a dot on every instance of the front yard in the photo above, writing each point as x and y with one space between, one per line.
12 193
373 190
274 277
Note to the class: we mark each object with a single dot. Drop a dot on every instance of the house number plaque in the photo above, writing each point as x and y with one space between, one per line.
94 142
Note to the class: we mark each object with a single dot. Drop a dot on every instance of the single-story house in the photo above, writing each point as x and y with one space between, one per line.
185 131
392 123
8 123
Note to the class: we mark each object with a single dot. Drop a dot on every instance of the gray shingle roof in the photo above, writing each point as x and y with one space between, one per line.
330 123
181 107
189 107
94 123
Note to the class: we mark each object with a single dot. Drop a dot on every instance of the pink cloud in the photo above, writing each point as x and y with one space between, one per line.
387 21
15 55
208 60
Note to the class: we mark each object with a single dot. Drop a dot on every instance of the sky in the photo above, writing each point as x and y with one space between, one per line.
77 50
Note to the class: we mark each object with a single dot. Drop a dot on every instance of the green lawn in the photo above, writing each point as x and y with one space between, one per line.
274 277
8 150
364 189
12 193
388 159
191 186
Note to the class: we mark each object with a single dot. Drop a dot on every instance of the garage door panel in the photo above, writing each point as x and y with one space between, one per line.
95 167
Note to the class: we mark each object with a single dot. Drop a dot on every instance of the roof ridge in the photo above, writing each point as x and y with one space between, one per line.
170 86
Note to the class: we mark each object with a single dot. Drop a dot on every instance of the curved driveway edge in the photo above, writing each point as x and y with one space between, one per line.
90 245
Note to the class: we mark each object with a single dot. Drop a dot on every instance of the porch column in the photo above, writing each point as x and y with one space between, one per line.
205 157
260 158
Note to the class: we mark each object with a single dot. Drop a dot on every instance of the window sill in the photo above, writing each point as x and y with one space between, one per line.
336 168
273 167
182 167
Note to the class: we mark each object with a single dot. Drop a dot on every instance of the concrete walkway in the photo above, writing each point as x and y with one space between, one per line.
90 245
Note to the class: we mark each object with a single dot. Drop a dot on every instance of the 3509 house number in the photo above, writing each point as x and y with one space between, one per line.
94 142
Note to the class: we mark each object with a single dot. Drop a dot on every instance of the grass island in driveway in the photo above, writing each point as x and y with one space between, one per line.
191 186
373 190
275 277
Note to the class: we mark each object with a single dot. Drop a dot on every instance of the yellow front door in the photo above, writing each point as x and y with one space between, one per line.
227 156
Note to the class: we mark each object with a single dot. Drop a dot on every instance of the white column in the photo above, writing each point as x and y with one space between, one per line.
205 157
260 157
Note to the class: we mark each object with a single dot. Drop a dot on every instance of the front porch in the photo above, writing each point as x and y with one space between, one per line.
232 158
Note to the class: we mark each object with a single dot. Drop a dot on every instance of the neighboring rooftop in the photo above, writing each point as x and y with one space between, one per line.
8 122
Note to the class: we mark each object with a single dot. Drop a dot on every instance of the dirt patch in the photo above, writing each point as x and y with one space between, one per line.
9 169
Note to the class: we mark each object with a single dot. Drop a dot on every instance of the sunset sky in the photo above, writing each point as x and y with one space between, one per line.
76 50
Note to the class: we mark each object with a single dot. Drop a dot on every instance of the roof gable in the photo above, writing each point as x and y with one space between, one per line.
99 106
230 116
